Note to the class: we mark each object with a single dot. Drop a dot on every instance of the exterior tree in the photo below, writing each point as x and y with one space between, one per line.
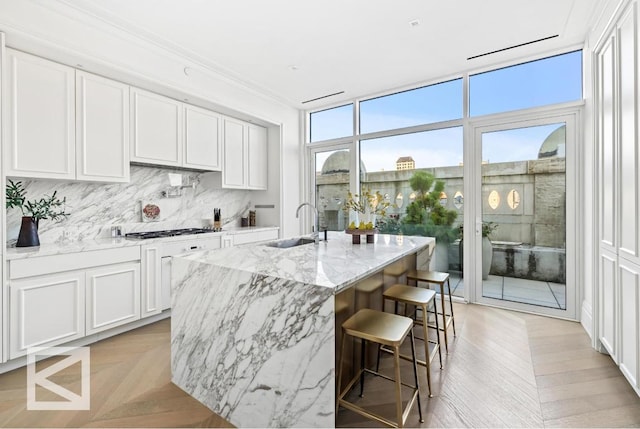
425 215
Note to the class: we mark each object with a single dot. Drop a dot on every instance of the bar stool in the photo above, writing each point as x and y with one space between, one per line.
421 298
438 278
383 329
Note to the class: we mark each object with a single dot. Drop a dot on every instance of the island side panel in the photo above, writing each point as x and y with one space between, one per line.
255 349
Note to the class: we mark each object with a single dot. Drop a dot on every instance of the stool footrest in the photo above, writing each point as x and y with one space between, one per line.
432 355
353 407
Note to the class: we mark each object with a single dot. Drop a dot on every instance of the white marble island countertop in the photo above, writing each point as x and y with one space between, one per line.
253 327
335 263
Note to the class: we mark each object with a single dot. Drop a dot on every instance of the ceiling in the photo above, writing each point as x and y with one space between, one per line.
296 50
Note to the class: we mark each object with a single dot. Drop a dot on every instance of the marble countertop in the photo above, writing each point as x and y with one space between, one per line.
109 243
335 263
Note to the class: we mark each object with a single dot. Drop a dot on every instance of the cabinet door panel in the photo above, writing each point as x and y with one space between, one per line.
629 275
234 169
41 118
629 165
202 139
257 154
608 295
151 296
608 186
113 296
102 118
46 311
156 129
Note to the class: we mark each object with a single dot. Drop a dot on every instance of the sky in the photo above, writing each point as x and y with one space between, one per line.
548 81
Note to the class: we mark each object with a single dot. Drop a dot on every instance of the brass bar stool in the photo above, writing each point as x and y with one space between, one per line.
438 278
383 329
421 298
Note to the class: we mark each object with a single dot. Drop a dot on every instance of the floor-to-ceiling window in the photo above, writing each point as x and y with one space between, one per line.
417 150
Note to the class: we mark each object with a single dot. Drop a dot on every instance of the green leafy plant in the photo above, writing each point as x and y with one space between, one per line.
426 215
488 228
47 207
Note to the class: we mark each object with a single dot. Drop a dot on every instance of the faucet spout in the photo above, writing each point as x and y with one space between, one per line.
316 222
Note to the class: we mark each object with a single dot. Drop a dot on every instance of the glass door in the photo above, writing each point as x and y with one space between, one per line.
525 215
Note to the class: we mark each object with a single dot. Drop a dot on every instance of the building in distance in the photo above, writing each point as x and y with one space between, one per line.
405 163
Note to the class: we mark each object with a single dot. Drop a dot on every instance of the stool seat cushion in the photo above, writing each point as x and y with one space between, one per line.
409 294
377 326
369 285
427 276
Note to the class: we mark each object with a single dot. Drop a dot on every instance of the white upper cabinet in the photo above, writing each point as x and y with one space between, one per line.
203 139
245 155
156 129
257 154
234 170
40 117
102 125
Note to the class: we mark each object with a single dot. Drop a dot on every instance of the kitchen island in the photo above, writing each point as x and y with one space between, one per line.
253 328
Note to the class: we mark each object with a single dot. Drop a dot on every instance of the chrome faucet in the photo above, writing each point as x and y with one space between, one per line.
315 235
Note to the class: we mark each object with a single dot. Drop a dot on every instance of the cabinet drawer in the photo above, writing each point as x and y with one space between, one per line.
37 266
255 236
179 247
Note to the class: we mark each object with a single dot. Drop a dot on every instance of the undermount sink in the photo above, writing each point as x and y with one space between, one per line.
291 242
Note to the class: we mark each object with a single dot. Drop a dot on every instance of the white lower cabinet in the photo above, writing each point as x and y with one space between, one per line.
59 298
46 310
112 296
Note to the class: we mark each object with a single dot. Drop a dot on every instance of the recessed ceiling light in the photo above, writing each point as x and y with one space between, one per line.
414 22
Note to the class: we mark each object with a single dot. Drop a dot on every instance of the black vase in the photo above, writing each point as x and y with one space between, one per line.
28 235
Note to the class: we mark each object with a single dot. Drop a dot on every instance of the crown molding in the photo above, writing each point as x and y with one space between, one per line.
116 26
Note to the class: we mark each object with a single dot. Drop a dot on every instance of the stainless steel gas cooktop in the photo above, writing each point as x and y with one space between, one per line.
167 233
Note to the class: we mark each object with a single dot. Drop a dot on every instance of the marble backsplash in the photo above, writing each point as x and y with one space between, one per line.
95 207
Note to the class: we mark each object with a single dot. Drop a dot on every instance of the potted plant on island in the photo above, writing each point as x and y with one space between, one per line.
47 207
366 208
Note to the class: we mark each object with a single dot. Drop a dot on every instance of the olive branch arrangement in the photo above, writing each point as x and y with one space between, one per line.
47 207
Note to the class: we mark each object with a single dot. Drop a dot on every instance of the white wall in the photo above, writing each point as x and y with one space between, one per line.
51 29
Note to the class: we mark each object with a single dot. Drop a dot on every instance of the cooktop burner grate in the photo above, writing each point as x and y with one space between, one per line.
166 233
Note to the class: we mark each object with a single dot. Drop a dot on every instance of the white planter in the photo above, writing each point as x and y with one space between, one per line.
487 256
441 255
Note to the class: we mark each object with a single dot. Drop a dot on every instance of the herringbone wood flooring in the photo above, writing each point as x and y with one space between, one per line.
130 387
509 369
504 369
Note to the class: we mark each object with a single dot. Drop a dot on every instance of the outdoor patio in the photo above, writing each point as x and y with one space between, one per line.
544 294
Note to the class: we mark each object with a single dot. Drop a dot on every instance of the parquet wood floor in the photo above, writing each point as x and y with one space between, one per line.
130 387
504 369
510 369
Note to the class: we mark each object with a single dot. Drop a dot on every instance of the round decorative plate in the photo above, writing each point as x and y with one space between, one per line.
151 212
